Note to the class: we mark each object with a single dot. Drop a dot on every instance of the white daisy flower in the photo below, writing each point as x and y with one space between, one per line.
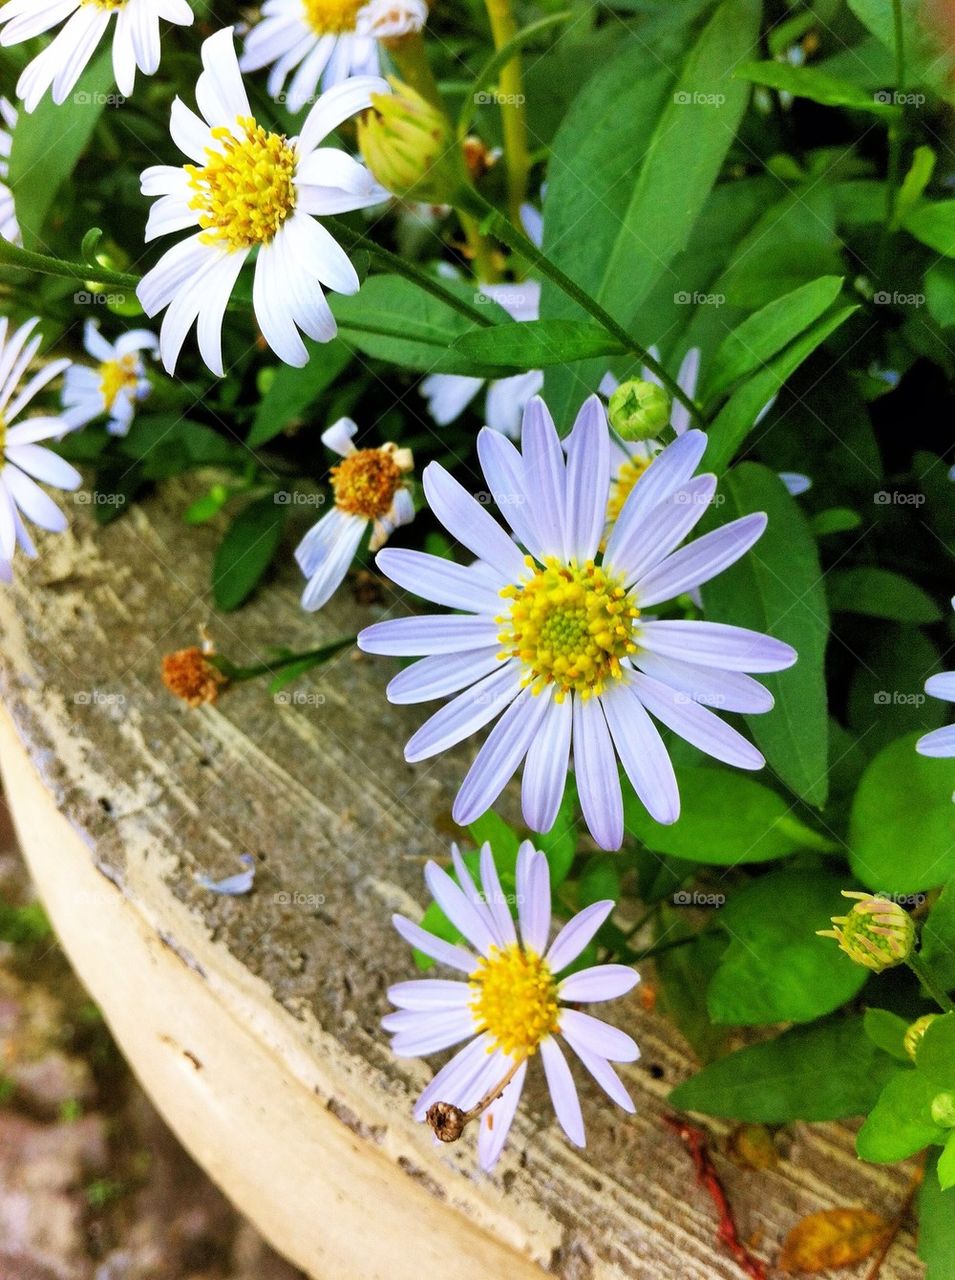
23 460
115 386
369 487
940 742
247 190
562 647
9 227
512 1004
449 394
324 41
62 62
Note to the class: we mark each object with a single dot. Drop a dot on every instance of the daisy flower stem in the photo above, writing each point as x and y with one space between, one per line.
311 657
471 201
448 1122
12 255
513 116
927 979
402 267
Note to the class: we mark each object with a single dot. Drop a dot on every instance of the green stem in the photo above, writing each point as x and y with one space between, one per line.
662 947
927 979
409 56
471 201
237 674
896 131
511 101
402 267
13 256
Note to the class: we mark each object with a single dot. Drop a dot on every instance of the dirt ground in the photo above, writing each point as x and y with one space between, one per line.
93 1186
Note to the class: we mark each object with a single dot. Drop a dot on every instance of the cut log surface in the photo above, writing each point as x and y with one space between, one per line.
253 1021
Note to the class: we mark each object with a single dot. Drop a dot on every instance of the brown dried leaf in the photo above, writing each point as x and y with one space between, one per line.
832 1238
752 1146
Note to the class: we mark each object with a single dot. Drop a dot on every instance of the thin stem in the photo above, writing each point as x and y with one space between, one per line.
473 202
662 947
400 266
927 979
237 674
12 255
896 131
511 101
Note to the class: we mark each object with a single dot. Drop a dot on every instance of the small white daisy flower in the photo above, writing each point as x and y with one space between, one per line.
326 40
940 742
449 394
369 487
61 63
248 190
9 227
561 647
23 460
117 384
512 1004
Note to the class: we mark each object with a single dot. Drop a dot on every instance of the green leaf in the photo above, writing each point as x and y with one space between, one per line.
913 184
940 292
886 697
246 551
600 880
946 1164
560 843
935 1055
762 827
47 145
775 969
499 59
934 224
887 1030
622 203
767 331
737 418
927 61
683 973
936 1211
825 1071
879 593
902 824
777 588
395 320
490 828
938 938
535 344
818 86
293 391
900 1123
834 520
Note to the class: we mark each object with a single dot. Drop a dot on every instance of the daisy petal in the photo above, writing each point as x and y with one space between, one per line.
563 1091
717 644
470 523
600 982
463 914
603 1073
599 1037
588 480
497 1120
700 561
444 952
545 769
429 993
466 713
596 768
642 753
696 724
499 758
576 934
441 581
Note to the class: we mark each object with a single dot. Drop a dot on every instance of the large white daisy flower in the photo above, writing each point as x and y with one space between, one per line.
60 65
449 394
9 227
23 460
561 647
369 488
940 742
512 1004
247 190
115 386
326 40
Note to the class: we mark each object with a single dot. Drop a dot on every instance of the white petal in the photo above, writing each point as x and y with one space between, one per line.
686 380
272 304
448 395
716 644
545 770
336 105
473 895
44 464
470 523
600 982
642 753
595 766
430 993
434 578
339 437
430 633
454 1079
444 952
32 501
220 93
431 1033
563 1091
466 713
329 571
599 1037
576 934
217 287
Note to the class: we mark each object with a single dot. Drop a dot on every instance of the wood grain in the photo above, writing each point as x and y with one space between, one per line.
297 1109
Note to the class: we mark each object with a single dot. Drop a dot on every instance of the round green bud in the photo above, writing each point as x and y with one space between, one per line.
915 1032
639 410
943 1110
877 932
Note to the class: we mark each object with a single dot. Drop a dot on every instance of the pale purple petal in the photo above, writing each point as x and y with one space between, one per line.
430 993
700 561
437 579
471 524
453 1078
466 713
496 1121
494 896
941 686
604 1074
503 470
599 1037
652 539
544 477
545 770
563 1091
686 380
716 644
444 952
696 724
500 756
642 753
938 743
588 481
430 1033
600 982
669 471
595 766
441 675
576 934
533 902
467 918
431 633
727 690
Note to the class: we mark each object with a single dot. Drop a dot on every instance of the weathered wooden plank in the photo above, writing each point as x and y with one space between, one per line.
296 1107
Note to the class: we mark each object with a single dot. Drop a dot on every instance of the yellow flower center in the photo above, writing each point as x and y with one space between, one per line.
246 191
514 999
621 486
365 482
116 376
105 4
332 17
570 625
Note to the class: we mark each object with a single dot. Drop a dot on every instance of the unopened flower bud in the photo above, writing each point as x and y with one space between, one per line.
877 932
639 410
943 1110
446 1120
915 1032
410 147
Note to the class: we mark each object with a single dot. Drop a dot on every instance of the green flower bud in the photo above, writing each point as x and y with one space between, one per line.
877 932
639 410
943 1110
410 147
915 1032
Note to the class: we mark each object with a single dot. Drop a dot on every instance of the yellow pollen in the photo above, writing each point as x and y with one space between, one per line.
365 482
116 376
514 999
247 190
332 17
628 473
570 625
105 4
